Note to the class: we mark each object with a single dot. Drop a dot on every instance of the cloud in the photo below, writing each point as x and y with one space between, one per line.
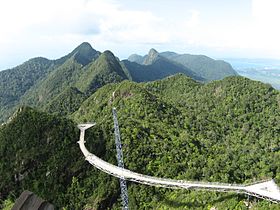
39 27
266 11
266 17
194 20
255 35
120 25
52 28
33 22
104 18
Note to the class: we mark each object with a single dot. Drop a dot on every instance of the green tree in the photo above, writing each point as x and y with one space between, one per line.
75 196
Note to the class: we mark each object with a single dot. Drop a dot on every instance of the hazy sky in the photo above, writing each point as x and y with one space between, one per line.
217 28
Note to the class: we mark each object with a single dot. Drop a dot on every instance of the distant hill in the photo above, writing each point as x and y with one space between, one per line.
154 67
14 83
106 69
136 58
201 65
62 77
41 82
84 54
25 80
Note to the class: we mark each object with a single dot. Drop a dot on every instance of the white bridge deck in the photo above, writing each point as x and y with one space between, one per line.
265 189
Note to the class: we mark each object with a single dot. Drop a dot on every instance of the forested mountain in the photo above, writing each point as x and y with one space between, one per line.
66 102
106 69
204 66
156 67
224 131
177 127
205 131
49 87
201 65
14 83
41 82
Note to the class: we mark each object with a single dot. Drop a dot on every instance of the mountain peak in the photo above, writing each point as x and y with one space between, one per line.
151 57
84 53
85 47
136 58
109 54
105 69
84 44
152 52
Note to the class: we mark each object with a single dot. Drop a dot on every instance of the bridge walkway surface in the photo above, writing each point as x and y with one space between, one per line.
267 189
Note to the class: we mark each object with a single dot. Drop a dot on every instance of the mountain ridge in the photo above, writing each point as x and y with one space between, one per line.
106 69
84 68
87 70
203 66
151 57
155 66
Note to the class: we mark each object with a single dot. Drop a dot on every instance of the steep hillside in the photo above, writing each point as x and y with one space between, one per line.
33 81
52 85
83 54
204 66
42 83
61 78
66 102
39 152
34 147
39 81
201 65
106 69
86 79
15 82
156 67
